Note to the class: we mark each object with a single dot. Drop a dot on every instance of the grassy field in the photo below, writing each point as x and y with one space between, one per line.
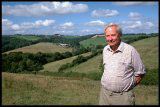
101 40
148 49
30 38
42 47
54 66
93 41
29 89
90 66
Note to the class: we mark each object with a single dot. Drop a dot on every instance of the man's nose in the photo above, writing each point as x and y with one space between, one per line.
109 37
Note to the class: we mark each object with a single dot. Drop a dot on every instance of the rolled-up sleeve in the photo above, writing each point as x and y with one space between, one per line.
138 66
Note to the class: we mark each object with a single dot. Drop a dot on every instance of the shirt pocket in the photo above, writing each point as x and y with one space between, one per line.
124 67
121 68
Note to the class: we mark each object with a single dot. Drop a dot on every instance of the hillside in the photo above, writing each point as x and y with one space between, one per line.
148 49
29 89
90 66
101 40
54 66
93 41
43 47
28 37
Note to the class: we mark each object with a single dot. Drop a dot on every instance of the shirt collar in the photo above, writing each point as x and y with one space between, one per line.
120 48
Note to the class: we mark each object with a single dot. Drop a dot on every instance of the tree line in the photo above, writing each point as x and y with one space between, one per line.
11 42
19 62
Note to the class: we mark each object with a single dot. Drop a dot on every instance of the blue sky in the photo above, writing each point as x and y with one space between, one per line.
78 18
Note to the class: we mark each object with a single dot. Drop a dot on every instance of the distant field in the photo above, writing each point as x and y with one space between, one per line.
72 36
54 66
90 66
147 48
93 41
31 38
42 47
29 89
101 40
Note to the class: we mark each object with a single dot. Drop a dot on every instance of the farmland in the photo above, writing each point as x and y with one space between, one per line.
30 38
53 66
67 89
27 89
42 47
148 48
93 41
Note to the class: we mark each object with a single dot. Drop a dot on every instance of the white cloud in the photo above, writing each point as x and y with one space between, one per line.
95 23
137 26
104 13
134 15
6 22
9 26
149 25
133 3
40 23
44 9
67 25
15 27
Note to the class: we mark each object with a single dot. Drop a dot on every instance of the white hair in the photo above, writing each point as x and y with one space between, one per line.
118 28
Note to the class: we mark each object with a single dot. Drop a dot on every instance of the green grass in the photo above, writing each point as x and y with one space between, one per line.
148 49
54 66
92 65
93 41
29 89
30 38
43 47
150 58
71 36
102 41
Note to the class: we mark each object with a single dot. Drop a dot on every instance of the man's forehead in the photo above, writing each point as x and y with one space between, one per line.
109 28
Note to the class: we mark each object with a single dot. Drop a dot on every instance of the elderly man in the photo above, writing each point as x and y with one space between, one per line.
123 69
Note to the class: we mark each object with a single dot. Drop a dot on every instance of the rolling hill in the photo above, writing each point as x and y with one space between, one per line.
28 37
93 41
43 47
148 49
54 66
31 89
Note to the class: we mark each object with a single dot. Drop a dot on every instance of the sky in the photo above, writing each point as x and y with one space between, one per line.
78 18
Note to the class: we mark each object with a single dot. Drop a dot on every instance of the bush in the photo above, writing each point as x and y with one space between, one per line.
151 77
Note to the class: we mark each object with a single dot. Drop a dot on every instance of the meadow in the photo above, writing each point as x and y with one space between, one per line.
28 37
43 47
147 48
53 66
93 41
39 89
30 89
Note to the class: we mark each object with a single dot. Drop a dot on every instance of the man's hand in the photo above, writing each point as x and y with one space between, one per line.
138 79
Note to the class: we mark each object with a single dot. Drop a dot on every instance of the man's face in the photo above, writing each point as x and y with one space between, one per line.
112 37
